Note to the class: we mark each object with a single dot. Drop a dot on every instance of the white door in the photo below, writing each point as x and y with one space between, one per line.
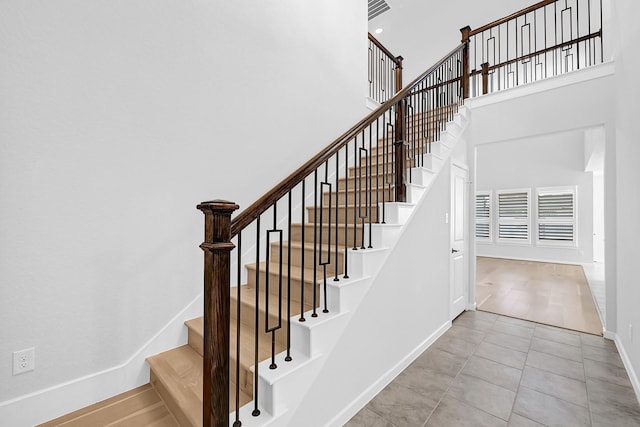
459 268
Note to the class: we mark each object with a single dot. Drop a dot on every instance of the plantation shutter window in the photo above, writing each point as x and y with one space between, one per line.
483 216
513 216
556 216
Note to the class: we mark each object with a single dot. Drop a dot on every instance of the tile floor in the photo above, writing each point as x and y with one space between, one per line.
491 370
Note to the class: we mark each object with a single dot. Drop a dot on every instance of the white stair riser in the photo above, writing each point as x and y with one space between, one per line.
421 176
433 162
396 213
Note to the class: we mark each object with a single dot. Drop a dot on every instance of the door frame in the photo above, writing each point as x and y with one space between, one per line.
466 245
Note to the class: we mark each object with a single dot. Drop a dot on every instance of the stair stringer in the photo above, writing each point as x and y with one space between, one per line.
290 395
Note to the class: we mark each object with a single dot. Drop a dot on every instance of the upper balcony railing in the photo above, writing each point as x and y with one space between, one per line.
547 39
384 71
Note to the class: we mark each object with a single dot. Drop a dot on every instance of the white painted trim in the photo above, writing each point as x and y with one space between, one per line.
349 411
591 73
633 377
55 401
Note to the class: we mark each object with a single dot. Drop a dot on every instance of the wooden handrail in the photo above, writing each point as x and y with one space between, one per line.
542 51
247 216
396 60
512 16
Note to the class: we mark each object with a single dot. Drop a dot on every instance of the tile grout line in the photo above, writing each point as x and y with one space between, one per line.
473 333
457 376
447 390
585 384
521 376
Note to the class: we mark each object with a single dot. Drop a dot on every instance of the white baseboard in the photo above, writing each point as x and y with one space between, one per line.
352 409
53 402
633 376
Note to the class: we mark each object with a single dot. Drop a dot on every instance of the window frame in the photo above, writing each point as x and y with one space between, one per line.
488 221
512 220
573 190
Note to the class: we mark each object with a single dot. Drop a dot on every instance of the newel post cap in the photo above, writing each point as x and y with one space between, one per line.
465 33
218 205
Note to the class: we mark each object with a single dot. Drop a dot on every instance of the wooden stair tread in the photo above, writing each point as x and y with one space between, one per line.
309 245
154 416
295 271
325 225
248 296
137 407
341 206
178 373
247 344
373 176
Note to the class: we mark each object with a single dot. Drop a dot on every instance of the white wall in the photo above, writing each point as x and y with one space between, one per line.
555 160
402 309
575 101
423 32
116 119
598 217
627 178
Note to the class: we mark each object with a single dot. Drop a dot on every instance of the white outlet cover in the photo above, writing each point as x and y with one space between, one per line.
24 360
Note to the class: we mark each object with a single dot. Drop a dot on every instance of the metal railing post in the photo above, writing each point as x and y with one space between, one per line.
217 249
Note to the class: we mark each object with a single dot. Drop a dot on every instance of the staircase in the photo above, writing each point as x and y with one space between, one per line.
335 223
177 374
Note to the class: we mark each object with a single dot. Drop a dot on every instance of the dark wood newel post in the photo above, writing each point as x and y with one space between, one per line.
399 60
485 78
465 61
399 140
217 249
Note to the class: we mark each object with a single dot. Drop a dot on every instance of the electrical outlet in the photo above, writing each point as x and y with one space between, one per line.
24 360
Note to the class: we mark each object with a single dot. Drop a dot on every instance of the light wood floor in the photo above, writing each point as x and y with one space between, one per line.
138 407
553 294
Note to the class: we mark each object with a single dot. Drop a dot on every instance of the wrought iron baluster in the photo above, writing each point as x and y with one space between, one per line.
272 329
303 232
356 186
237 422
326 262
336 251
370 178
256 411
315 243
345 222
288 357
